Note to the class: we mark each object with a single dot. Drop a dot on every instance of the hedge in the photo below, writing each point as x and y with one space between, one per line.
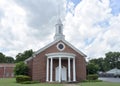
22 78
92 77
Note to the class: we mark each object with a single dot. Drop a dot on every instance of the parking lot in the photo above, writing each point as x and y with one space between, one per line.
109 79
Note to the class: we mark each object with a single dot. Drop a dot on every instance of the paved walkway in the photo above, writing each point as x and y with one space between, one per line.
71 85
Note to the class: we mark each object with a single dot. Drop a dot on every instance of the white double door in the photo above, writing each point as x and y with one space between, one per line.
63 73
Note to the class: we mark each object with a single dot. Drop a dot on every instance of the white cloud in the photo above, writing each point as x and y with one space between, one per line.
13 28
29 24
26 24
93 39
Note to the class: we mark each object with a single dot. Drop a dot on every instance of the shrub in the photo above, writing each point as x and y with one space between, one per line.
22 78
21 69
92 77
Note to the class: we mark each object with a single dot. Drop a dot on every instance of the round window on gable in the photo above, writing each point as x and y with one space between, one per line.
60 46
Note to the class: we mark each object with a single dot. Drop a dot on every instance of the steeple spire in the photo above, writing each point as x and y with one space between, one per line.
59 30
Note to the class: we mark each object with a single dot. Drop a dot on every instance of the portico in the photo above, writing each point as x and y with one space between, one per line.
60 69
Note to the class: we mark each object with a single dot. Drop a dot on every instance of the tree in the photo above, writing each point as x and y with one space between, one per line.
9 59
6 59
2 58
23 56
92 68
112 60
21 69
100 62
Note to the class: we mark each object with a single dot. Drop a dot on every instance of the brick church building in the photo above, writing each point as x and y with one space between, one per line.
58 61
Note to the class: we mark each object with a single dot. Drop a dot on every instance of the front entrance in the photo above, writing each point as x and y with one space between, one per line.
63 73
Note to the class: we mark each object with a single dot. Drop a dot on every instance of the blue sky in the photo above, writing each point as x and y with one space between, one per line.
115 6
93 26
75 1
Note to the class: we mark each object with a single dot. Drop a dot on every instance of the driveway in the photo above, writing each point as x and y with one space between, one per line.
109 79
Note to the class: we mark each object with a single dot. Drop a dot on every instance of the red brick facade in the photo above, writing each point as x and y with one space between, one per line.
7 70
37 64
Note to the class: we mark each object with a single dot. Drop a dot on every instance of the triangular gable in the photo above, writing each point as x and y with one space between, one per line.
74 48
52 43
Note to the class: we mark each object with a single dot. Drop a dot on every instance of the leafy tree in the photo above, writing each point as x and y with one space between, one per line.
92 68
112 60
23 56
21 69
100 62
6 59
2 58
9 59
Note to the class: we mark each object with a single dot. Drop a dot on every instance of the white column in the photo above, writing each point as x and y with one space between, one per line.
59 69
51 70
47 70
74 70
69 78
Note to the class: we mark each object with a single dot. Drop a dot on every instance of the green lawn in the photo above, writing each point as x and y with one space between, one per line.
99 84
12 82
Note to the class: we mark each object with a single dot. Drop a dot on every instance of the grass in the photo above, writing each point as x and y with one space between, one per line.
99 84
12 82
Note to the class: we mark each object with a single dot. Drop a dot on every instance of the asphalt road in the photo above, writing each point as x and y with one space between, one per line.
110 79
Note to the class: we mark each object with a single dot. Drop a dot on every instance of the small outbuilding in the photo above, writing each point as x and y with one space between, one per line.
6 70
114 72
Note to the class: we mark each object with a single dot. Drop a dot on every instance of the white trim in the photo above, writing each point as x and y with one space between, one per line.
69 74
30 58
59 48
47 70
74 70
52 43
60 54
59 69
47 46
74 48
51 70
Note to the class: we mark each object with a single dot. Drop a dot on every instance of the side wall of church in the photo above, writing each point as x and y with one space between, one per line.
30 66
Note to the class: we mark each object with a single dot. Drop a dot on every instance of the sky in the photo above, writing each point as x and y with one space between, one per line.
92 26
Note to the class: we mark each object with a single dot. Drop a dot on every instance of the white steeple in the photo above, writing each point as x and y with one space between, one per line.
59 30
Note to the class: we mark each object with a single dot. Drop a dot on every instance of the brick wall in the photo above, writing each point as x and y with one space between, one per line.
7 70
39 64
1 72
